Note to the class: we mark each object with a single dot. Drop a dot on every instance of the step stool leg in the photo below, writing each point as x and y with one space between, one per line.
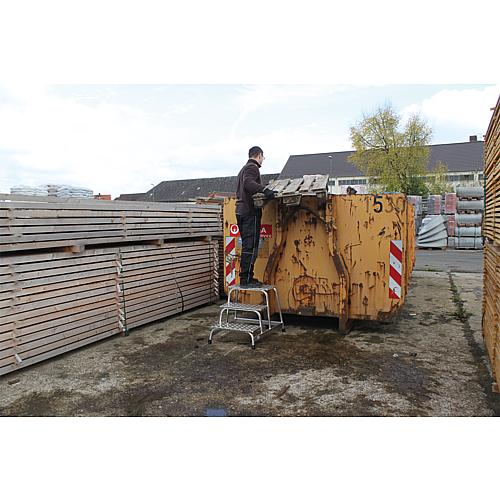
211 335
279 309
268 309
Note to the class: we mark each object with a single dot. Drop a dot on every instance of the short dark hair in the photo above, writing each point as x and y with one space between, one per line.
255 151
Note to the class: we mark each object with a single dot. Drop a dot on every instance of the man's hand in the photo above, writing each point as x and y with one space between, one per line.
269 194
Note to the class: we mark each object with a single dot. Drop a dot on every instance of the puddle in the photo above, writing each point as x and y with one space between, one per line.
215 412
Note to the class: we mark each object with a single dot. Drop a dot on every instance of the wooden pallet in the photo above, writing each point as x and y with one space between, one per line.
290 191
53 302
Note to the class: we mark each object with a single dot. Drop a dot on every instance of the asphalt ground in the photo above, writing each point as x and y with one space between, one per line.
428 361
462 261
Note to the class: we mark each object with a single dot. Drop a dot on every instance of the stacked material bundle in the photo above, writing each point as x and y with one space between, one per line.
491 298
451 225
65 191
56 300
51 303
434 204
469 216
433 232
450 203
158 282
31 225
29 190
416 201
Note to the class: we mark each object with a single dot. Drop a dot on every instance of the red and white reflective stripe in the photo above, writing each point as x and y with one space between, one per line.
230 254
395 269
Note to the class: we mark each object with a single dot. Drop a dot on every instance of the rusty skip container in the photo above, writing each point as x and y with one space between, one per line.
345 256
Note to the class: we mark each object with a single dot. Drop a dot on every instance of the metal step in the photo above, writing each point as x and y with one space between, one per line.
238 327
236 306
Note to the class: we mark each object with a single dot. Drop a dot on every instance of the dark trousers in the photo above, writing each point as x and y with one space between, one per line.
249 226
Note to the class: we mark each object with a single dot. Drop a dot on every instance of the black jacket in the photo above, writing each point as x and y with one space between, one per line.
248 184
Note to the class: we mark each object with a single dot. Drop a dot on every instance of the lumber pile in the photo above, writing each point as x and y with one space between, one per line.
492 178
53 300
159 282
491 231
35 223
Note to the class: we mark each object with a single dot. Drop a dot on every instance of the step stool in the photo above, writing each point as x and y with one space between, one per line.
255 327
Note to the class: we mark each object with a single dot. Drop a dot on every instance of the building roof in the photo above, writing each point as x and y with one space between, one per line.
131 197
458 157
190 189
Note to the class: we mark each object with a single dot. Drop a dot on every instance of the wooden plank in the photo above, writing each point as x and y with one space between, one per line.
320 183
292 187
60 347
164 313
81 221
101 241
113 210
34 306
26 319
42 357
60 324
29 342
281 184
308 181
167 307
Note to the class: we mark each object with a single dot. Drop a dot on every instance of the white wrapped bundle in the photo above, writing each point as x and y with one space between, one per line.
29 190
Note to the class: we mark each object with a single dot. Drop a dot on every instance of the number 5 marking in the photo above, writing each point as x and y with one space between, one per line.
377 203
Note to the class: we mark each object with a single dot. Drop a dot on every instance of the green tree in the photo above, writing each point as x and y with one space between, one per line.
437 181
392 155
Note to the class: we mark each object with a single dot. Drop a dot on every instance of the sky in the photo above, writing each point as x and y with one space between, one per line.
118 139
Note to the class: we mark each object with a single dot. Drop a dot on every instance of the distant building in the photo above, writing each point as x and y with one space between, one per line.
463 159
190 189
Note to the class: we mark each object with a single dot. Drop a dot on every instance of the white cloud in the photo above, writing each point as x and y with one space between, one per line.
253 97
469 109
114 148
107 147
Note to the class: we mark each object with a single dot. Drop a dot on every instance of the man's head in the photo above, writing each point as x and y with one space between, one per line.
256 153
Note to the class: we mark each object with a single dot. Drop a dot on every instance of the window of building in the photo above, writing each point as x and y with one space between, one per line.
350 182
460 177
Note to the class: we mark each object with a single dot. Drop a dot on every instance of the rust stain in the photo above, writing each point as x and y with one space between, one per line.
309 240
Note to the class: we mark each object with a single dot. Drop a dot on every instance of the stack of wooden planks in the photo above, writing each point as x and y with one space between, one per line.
29 224
492 178
54 300
491 231
156 282
491 306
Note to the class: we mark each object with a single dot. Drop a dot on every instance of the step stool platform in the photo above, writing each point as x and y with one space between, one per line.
237 327
237 306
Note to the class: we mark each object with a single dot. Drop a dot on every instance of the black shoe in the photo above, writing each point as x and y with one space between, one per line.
250 283
255 282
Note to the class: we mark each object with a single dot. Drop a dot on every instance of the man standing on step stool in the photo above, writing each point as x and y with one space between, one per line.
248 215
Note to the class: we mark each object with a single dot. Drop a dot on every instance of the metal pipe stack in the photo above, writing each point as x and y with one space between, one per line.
468 220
